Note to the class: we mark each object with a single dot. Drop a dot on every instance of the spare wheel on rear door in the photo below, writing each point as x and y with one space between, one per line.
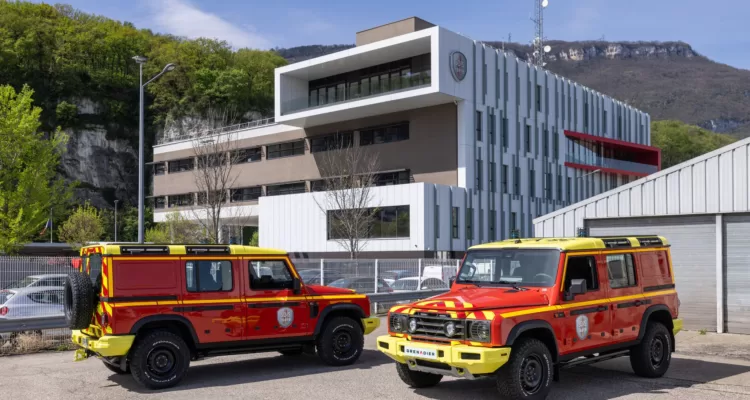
78 300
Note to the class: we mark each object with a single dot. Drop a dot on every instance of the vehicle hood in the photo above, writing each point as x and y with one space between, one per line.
474 299
318 290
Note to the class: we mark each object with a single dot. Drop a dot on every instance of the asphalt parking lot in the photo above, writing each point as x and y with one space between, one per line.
269 376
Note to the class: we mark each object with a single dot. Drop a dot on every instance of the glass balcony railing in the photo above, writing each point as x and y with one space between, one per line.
622 165
353 91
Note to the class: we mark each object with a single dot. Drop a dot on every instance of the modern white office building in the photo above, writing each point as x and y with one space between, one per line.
472 143
702 207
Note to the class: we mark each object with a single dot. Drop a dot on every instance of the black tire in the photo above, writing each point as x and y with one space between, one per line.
417 379
115 369
340 342
528 373
159 360
78 300
651 357
291 353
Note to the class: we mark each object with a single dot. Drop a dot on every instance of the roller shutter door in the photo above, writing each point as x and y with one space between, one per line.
737 261
693 240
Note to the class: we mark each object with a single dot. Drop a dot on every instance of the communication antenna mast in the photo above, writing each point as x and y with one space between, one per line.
539 48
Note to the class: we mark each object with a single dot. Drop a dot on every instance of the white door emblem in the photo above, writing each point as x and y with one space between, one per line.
285 316
582 327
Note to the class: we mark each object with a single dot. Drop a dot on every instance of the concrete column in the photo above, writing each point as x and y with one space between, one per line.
719 274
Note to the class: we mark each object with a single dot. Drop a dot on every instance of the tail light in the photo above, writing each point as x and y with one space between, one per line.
3 311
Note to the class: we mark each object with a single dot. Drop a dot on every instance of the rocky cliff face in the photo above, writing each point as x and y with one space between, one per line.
591 50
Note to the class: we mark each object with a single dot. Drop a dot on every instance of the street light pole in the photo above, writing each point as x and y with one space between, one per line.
141 198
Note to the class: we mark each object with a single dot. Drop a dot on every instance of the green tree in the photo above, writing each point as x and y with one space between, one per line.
175 229
680 142
83 226
254 239
29 186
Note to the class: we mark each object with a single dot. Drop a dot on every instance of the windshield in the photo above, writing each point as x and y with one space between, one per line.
405 284
27 281
523 267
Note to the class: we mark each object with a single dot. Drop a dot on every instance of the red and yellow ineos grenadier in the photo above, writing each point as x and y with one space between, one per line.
150 310
519 310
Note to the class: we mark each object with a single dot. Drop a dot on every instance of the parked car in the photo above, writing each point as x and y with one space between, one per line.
312 276
38 281
410 284
29 302
394 275
362 284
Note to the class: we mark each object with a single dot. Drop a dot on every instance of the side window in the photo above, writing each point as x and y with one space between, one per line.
649 264
582 267
208 276
95 263
269 275
621 271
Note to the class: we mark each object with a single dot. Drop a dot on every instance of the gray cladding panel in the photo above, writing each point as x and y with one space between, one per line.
693 241
737 262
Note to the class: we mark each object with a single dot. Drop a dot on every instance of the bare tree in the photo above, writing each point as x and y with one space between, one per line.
216 156
348 175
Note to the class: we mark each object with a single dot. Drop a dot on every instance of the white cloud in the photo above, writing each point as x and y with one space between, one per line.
181 18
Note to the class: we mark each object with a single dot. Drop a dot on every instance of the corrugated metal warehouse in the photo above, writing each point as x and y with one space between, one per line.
702 207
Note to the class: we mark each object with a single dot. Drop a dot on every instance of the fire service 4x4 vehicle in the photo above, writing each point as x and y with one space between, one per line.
150 310
522 309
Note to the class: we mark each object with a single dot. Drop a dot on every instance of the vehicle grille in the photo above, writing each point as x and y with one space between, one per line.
431 325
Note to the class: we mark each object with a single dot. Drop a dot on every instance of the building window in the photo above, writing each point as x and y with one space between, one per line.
532 183
513 223
289 149
621 271
527 139
493 176
478 125
247 156
217 197
539 98
469 225
289 188
246 194
619 127
491 226
504 177
318 185
505 132
159 202
186 164
181 200
160 168
386 222
517 181
568 191
391 178
208 276
484 78
481 225
586 114
437 221
518 88
612 181
604 122
333 141
555 144
559 187
545 143
491 127
548 186
384 134
479 174
454 222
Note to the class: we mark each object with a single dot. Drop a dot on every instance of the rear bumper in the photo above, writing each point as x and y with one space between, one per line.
105 346
370 324
676 325
454 360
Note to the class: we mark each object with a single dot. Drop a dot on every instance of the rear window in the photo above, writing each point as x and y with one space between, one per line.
27 281
5 296
654 264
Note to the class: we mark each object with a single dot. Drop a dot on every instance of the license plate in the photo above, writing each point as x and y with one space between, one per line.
419 352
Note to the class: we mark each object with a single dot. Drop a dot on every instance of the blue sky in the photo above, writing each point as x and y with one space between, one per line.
716 28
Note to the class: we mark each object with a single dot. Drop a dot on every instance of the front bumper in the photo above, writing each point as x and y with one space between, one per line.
105 346
370 324
454 360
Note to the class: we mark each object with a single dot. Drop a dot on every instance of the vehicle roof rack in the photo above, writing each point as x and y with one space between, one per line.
144 249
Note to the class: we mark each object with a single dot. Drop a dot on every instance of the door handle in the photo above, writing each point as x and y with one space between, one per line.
638 303
601 308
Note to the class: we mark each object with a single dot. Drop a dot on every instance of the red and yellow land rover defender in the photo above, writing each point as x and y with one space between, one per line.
150 310
521 309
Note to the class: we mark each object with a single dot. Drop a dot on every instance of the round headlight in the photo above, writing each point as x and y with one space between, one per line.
412 325
480 331
450 329
397 323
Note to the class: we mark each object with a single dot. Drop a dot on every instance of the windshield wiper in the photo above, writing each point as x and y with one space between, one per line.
512 284
475 283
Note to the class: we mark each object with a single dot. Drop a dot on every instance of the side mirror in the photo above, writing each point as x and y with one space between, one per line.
577 286
451 281
296 285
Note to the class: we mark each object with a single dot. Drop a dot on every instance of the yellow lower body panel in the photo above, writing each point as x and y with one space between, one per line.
370 324
475 360
677 325
105 346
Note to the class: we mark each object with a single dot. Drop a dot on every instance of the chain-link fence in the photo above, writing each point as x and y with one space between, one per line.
31 299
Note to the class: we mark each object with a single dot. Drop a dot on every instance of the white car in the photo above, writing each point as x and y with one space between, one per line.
30 302
426 283
38 280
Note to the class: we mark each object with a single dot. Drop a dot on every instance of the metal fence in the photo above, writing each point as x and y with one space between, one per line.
31 290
